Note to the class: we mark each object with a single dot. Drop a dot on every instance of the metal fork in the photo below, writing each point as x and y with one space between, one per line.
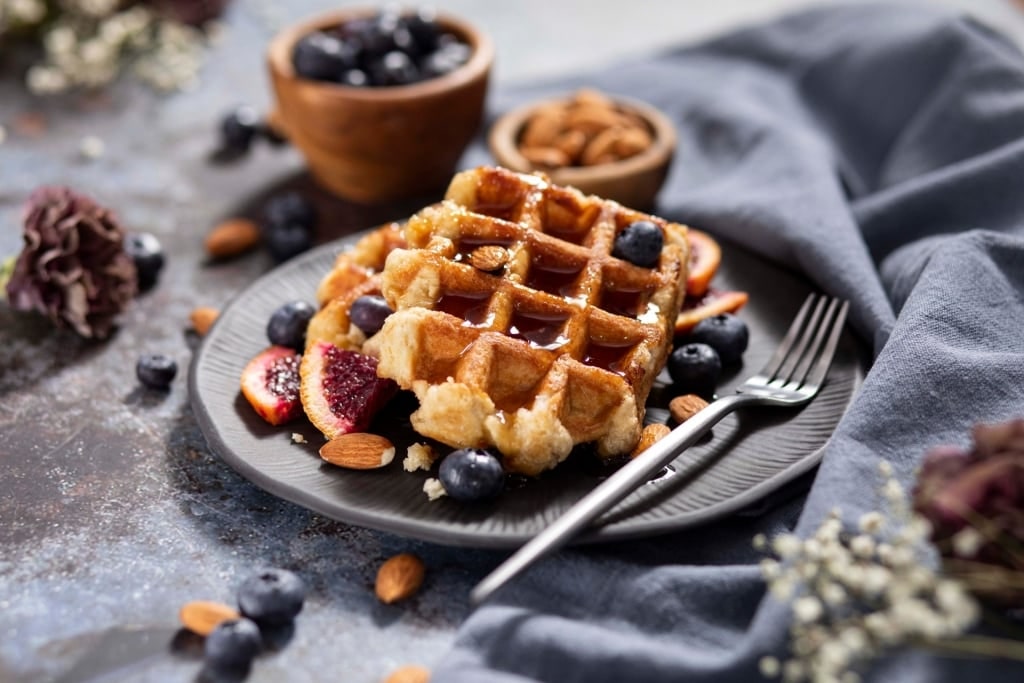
792 377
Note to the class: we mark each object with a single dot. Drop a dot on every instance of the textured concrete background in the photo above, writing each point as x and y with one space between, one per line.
113 511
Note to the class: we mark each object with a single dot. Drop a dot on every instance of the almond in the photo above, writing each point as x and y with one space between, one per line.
489 257
546 157
201 616
399 578
601 147
632 142
202 319
232 237
409 673
544 126
684 407
651 434
358 451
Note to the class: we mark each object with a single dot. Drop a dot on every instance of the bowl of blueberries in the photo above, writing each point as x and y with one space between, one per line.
381 102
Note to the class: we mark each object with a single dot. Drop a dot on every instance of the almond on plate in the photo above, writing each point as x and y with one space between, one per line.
358 451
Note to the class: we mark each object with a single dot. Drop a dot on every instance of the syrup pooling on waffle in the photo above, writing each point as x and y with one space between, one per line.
556 347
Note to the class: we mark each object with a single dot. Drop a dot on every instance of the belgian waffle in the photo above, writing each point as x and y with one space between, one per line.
356 272
557 346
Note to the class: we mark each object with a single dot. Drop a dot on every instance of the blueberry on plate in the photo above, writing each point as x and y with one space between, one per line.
695 369
725 333
239 128
155 370
321 56
233 644
272 596
288 240
471 474
368 313
287 325
289 208
148 256
639 243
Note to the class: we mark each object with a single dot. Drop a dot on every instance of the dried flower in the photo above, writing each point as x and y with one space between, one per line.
974 501
72 267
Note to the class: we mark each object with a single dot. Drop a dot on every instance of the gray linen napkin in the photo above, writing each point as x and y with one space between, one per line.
880 150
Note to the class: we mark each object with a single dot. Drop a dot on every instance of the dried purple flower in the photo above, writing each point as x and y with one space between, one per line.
72 267
194 12
977 493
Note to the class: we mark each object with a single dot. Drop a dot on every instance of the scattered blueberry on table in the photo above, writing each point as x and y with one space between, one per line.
287 324
640 243
156 370
272 597
288 223
239 128
233 644
148 255
470 474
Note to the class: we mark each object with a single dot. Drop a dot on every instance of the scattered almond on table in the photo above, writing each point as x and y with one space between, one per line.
409 673
399 578
682 408
358 451
233 237
202 616
202 319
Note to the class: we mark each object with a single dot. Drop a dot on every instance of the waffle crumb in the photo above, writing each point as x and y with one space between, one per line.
298 438
420 456
434 489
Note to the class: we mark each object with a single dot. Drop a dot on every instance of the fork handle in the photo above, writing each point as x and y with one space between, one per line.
611 491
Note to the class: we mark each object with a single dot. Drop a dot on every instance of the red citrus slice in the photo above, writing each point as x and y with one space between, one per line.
711 302
705 256
270 382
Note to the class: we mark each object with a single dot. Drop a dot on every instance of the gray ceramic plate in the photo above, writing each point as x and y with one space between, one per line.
748 456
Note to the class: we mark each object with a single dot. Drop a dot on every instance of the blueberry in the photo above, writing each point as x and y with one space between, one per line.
368 313
323 57
288 240
422 25
357 78
145 250
725 333
287 325
639 243
272 596
695 369
238 128
155 370
289 208
233 644
471 474
394 68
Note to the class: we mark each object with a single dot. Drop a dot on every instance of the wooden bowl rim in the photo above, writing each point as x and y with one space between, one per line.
506 130
280 49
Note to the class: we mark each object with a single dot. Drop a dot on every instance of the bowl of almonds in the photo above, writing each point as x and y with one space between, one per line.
606 145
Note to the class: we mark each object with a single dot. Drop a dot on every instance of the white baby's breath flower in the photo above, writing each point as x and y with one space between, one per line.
855 639
760 542
807 608
871 522
832 594
885 468
863 546
782 588
793 671
42 80
769 666
770 569
786 546
893 492
829 530
876 579
967 542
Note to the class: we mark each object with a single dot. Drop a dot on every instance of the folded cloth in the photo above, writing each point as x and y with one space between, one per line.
878 149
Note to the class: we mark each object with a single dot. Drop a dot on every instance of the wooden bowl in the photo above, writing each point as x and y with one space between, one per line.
633 182
375 144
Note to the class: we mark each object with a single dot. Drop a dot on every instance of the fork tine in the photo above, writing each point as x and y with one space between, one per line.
817 375
775 362
821 330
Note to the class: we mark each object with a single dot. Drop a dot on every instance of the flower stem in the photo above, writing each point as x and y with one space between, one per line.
977 646
6 271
